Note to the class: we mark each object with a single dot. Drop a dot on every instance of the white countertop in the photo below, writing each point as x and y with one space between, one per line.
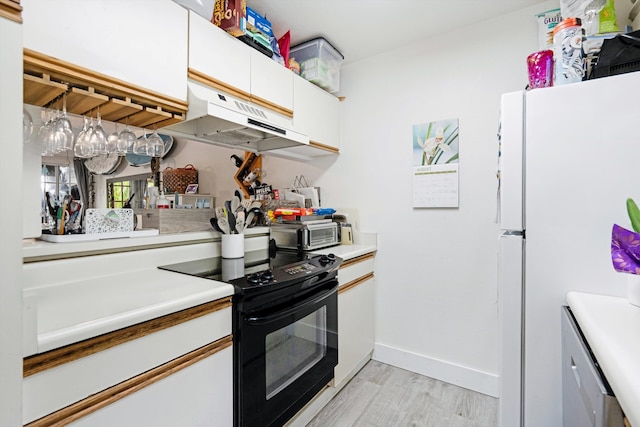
64 314
611 326
38 249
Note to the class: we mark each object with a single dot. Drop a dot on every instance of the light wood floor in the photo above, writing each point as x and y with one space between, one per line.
381 395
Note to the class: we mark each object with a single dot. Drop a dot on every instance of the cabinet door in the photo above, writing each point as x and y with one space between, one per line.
271 83
141 43
219 56
199 395
316 113
355 329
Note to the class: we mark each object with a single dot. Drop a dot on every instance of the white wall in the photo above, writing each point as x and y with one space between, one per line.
436 271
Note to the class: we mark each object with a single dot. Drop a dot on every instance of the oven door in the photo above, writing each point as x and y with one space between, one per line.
284 357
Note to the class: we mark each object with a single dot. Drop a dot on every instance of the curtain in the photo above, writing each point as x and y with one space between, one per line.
83 184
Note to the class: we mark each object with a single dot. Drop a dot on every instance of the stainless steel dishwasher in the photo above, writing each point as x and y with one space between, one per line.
587 398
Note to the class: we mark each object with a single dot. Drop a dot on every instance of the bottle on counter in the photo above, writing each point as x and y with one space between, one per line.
162 202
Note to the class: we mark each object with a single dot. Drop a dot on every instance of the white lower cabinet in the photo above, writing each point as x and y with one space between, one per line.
171 371
355 330
199 395
355 317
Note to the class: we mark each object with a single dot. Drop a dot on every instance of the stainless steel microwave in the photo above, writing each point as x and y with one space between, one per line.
306 236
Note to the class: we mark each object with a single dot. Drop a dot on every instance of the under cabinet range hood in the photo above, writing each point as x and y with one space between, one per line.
222 119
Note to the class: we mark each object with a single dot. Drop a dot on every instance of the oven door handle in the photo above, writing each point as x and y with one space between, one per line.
288 312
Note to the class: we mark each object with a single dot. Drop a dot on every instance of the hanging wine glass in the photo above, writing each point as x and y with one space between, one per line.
140 146
65 123
45 134
27 126
155 145
112 141
126 139
63 131
99 137
83 147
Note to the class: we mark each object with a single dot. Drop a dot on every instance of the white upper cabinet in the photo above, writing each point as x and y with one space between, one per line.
219 56
316 114
271 83
143 43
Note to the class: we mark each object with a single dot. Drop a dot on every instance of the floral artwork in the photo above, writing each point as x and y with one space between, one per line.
625 250
435 143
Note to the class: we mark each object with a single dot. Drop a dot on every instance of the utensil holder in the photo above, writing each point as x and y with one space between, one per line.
232 245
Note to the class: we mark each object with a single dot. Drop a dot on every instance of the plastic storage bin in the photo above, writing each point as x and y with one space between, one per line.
319 63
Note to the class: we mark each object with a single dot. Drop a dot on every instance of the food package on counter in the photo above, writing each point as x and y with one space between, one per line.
258 23
547 21
294 66
230 15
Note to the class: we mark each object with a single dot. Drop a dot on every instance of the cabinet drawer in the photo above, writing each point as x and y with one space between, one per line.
587 399
355 268
54 388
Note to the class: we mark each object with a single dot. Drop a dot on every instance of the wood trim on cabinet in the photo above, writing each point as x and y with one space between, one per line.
329 148
111 395
59 356
271 106
214 83
358 259
11 10
354 283
36 62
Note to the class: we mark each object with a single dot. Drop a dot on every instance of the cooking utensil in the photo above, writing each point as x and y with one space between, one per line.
223 224
235 204
214 224
230 215
249 219
240 221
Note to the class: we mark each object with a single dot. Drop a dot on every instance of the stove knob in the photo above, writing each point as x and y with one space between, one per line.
332 257
266 276
253 279
324 260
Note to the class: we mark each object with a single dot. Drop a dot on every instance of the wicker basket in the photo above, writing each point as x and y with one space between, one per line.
177 180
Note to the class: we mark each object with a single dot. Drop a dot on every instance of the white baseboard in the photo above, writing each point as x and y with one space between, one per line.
481 382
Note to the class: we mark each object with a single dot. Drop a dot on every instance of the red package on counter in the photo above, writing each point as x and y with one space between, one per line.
230 16
284 43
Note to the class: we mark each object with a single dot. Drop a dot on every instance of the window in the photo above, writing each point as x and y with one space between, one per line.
118 193
121 190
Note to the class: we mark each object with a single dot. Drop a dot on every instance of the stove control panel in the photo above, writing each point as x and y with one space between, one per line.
294 271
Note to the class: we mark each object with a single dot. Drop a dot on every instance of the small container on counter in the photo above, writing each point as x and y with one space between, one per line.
163 202
568 36
540 69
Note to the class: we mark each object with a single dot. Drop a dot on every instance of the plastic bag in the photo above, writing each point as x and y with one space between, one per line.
608 19
284 43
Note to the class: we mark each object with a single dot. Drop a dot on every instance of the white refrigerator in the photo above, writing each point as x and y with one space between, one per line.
570 157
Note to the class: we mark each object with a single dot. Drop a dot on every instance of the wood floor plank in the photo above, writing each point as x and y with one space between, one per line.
381 395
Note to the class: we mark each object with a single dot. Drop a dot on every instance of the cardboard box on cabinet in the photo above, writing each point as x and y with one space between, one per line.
230 15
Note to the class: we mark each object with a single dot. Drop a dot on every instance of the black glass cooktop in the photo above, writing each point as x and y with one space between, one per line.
223 269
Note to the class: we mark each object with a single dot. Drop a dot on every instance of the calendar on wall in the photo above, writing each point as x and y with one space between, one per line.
435 164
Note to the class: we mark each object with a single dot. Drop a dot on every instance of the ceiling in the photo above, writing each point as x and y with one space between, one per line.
360 29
